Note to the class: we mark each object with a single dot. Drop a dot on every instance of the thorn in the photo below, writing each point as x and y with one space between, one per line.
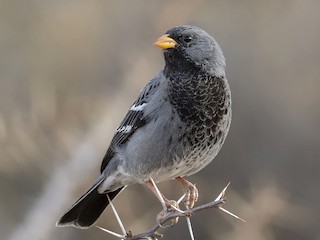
231 214
117 217
174 207
110 232
158 193
190 228
221 196
181 198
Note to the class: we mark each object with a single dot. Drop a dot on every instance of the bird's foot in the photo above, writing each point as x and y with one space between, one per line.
191 192
172 206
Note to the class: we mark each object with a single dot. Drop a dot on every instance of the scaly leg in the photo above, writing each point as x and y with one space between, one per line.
153 187
167 204
191 192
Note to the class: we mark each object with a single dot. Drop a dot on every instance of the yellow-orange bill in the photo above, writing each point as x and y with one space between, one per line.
165 42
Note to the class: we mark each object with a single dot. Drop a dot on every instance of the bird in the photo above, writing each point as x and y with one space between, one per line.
174 128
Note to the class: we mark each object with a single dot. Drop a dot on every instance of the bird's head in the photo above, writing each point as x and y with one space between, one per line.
188 47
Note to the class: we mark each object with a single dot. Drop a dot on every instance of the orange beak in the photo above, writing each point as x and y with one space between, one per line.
165 42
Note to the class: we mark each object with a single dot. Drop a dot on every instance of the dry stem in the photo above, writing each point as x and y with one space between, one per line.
171 215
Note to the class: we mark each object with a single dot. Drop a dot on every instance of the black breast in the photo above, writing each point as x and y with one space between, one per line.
201 103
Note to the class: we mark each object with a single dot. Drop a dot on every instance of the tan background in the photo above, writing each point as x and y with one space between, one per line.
70 69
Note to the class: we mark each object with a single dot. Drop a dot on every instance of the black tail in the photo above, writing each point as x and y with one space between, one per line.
87 209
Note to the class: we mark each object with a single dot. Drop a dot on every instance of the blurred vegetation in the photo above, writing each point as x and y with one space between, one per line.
70 69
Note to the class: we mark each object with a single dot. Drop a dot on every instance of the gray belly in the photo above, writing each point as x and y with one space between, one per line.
181 158
163 149
198 156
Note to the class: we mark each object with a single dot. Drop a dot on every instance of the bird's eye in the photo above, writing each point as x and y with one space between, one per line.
187 39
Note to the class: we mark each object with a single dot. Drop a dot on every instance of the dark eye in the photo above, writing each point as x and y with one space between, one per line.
187 39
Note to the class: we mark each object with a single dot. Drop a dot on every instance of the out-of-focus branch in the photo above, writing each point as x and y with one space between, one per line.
40 219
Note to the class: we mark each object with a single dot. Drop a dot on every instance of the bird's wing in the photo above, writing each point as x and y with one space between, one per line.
134 119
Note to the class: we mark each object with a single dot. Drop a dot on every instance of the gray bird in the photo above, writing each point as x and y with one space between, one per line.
174 129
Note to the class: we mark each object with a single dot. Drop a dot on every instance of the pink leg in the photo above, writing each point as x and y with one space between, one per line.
190 190
163 200
167 205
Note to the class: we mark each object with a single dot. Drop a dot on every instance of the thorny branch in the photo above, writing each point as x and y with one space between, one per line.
170 217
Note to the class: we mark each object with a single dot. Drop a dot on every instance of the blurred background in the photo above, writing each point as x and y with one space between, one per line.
69 70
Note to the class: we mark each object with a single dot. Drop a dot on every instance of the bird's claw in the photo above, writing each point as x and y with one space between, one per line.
172 205
191 192
192 195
